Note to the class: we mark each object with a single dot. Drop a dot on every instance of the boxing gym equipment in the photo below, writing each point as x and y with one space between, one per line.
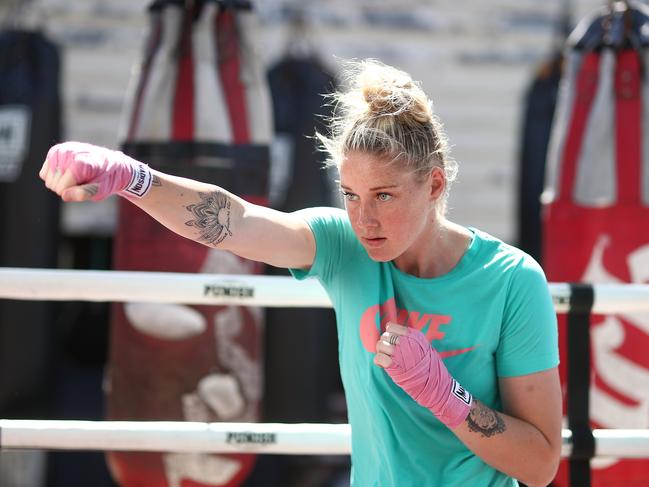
30 122
198 107
595 209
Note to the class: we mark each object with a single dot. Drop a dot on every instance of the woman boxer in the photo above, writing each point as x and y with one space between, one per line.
447 336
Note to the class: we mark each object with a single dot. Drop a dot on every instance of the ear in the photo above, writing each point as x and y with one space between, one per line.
437 182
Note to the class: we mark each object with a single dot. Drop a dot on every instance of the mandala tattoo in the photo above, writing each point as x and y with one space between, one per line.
486 421
211 217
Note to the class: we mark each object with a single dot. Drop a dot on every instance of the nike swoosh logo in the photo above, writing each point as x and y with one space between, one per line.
453 353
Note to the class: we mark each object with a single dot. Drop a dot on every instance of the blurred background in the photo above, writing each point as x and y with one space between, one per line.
475 60
80 66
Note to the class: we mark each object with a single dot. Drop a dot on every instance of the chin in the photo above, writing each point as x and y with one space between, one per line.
379 255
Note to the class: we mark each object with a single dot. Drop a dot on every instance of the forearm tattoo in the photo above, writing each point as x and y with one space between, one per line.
91 189
155 181
211 217
486 421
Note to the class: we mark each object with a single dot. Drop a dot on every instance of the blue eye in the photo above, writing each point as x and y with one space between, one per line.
348 196
384 197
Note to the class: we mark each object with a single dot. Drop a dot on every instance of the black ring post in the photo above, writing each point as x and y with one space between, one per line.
578 405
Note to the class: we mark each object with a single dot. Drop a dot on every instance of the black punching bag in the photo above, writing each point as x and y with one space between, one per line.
30 122
300 382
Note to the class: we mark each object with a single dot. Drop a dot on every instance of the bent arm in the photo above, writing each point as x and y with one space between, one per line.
525 440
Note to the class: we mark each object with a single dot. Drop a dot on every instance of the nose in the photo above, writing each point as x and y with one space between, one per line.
367 215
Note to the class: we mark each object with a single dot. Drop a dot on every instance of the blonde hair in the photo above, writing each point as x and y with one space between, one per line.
385 112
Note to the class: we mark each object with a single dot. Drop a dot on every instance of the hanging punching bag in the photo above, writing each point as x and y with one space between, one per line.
30 122
539 105
596 213
199 108
540 102
297 85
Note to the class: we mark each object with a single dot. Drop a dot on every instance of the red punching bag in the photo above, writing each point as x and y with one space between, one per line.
596 209
199 107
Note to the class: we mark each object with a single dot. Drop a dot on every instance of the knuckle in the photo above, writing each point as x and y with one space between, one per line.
51 153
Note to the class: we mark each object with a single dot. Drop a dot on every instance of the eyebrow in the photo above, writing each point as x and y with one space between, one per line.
377 188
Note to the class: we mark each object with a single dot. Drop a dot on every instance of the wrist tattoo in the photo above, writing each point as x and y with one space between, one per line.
91 189
486 421
211 217
156 181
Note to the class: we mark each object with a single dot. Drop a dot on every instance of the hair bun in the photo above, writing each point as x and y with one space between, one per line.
380 101
394 94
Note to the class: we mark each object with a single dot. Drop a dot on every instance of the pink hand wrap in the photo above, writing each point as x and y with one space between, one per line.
112 171
419 370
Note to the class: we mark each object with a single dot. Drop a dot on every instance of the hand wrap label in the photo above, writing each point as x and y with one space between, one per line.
140 182
418 369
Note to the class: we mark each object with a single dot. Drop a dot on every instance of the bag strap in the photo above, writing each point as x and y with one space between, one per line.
585 90
628 126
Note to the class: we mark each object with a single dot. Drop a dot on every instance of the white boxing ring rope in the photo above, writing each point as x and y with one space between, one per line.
160 287
176 436
268 438
246 290
234 289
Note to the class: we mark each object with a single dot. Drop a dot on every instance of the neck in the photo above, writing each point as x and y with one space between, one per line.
445 246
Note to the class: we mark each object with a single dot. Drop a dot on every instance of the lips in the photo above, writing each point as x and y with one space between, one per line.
373 242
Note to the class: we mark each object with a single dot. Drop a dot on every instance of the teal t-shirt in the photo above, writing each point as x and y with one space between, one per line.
491 316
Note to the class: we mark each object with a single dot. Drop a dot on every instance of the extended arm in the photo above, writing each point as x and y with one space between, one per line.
215 217
202 212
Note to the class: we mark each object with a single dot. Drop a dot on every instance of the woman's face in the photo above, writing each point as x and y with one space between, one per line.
390 211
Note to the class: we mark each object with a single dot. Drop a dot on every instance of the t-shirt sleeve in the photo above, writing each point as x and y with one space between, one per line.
529 336
330 228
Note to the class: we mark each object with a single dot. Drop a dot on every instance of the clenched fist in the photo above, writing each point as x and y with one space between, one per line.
416 367
77 171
